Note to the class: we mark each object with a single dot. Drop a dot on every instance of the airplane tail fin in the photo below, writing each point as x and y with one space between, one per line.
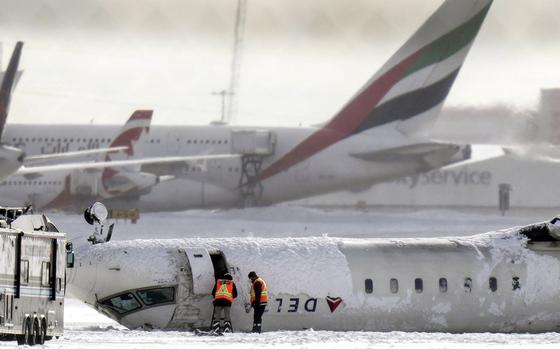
129 135
8 84
410 88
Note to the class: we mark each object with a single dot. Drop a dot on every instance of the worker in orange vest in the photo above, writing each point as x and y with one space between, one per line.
224 292
259 299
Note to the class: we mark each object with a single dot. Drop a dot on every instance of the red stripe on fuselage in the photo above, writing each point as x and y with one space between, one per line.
345 122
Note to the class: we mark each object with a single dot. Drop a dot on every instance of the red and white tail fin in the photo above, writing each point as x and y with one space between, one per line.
137 125
8 81
129 136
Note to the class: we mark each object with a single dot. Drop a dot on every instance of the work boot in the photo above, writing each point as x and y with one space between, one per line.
256 328
215 326
227 327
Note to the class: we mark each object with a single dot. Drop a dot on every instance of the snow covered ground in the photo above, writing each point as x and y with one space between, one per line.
85 328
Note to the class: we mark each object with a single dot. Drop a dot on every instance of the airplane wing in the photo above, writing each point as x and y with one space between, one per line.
35 159
197 160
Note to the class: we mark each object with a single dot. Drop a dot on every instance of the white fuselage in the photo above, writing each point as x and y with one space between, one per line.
217 183
495 282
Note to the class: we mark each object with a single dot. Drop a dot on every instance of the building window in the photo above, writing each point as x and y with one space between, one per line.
369 286
468 285
515 283
443 285
394 285
493 284
418 285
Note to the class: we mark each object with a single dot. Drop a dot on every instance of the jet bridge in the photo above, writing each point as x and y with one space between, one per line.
253 145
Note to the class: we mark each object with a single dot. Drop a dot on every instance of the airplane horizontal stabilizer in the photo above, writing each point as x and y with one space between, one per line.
405 153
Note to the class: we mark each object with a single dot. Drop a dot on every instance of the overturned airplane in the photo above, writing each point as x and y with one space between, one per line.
504 281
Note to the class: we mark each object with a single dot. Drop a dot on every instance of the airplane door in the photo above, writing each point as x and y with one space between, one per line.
202 270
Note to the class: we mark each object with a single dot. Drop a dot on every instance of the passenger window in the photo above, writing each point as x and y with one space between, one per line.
157 295
493 284
45 273
24 272
369 286
443 285
468 284
394 284
123 303
515 283
418 285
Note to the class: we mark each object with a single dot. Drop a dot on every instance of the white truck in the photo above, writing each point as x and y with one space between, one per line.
33 260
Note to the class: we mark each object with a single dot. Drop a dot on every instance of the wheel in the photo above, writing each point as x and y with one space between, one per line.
36 333
42 333
26 337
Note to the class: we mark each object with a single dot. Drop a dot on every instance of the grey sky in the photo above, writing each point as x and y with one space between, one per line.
301 61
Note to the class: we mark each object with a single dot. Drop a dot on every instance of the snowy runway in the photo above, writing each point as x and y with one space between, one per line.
120 338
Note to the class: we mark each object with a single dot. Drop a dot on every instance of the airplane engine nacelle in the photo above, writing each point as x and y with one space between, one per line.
132 182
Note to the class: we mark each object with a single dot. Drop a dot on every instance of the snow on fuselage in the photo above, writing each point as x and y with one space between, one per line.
498 282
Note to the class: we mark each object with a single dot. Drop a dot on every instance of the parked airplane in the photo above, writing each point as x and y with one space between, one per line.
504 281
12 159
116 175
375 137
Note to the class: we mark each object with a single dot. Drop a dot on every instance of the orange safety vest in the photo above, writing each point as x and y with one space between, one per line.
264 293
224 290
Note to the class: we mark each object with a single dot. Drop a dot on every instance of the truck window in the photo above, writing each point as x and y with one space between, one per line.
157 295
24 272
394 285
45 273
418 285
369 286
123 303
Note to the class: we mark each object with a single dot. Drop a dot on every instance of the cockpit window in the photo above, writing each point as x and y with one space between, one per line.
122 303
157 295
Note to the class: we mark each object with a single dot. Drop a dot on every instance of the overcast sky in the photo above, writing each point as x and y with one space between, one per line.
301 60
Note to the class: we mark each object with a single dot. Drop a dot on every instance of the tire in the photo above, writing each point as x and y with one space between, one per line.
27 337
36 333
42 333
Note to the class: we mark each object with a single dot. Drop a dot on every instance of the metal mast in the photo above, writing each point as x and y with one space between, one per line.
238 38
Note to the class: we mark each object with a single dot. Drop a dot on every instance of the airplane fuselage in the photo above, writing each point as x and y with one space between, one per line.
217 183
497 282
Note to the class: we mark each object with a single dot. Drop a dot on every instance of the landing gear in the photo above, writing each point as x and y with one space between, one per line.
250 185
